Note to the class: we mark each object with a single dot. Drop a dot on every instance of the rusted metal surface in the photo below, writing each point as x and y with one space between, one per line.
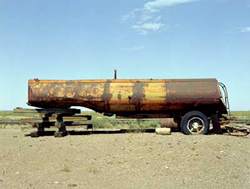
128 97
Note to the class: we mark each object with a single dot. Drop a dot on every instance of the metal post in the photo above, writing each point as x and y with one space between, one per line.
60 126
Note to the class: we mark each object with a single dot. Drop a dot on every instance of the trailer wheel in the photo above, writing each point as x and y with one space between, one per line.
194 122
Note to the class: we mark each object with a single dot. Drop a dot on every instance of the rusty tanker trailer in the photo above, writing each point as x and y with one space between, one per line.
191 102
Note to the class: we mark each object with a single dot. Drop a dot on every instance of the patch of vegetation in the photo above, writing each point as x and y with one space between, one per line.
16 115
100 121
241 114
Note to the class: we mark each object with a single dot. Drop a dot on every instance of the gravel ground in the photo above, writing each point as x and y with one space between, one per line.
138 160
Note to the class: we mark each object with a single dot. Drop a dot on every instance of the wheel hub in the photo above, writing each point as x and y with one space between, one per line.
195 125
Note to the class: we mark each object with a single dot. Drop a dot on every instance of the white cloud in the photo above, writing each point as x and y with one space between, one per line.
245 29
147 18
158 4
146 27
131 15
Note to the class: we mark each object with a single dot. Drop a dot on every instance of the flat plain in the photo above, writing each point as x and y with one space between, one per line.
130 160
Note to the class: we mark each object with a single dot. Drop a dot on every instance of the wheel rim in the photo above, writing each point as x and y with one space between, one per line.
196 125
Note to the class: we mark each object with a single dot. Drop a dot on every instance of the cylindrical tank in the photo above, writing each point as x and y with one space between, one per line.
126 97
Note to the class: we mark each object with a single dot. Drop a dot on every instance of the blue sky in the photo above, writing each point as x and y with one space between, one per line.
82 39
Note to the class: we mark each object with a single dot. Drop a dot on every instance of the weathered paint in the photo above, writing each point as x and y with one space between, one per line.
106 96
127 96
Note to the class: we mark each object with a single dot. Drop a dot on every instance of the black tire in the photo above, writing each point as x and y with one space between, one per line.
194 122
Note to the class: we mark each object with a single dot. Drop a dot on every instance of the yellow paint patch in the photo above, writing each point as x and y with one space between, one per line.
155 92
121 91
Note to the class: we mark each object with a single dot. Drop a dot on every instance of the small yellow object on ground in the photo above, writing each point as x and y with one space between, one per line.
163 131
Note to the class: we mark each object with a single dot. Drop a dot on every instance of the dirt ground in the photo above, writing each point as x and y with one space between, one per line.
136 160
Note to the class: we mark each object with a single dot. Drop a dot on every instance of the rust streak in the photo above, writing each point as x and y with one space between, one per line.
106 96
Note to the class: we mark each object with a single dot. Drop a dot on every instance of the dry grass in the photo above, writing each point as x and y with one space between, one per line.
100 121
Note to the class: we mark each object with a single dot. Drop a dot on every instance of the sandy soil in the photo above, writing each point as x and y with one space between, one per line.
136 160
